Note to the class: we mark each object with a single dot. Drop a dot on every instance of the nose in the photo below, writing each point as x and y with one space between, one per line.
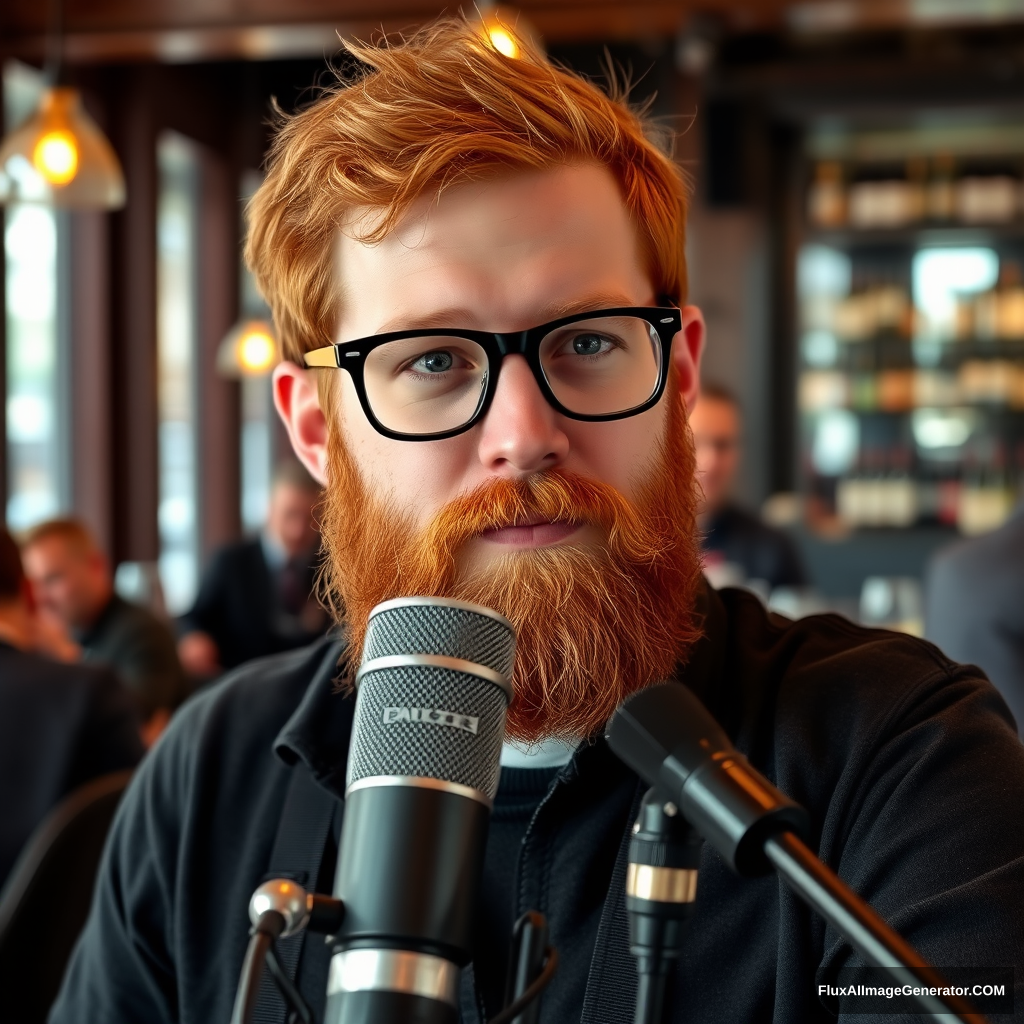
521 433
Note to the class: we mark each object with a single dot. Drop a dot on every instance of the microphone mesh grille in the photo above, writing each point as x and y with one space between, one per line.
441 629
388 740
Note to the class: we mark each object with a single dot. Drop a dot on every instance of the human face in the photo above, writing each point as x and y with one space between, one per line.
70 584
500 255
716 436
290 518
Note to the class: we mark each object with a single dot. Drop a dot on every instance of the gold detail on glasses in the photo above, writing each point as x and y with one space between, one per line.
327 356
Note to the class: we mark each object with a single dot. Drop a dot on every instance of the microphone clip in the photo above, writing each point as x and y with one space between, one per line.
661 886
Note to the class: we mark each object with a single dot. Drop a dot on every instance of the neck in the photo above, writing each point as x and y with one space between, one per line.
15 628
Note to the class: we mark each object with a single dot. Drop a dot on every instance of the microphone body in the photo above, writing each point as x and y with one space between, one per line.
423 770
667 736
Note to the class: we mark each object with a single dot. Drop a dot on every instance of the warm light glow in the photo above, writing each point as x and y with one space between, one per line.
55 156
256 350
501 39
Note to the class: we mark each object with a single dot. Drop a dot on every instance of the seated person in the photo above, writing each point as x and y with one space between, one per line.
544 471
256 596
72 582
738 546
974 607
60 725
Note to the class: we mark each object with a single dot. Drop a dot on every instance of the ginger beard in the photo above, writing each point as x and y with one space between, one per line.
593 624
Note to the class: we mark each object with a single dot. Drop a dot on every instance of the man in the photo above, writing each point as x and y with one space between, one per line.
72 582
60 725
974 607
256 596
545 471
737 546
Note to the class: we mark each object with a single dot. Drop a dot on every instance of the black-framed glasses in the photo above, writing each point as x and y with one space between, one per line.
424 385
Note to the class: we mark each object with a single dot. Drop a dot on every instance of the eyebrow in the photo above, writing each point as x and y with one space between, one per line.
453 317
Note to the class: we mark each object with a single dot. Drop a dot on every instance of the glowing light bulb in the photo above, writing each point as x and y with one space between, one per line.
55 156
502 40
256 351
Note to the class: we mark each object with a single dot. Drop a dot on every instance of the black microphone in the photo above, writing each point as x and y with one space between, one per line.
667 736
424 763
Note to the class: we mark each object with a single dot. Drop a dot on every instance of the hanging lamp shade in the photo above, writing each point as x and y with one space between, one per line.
504 29
60 157
249 349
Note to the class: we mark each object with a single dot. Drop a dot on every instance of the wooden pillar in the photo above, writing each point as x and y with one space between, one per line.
4 463
91 371
133 321
218 416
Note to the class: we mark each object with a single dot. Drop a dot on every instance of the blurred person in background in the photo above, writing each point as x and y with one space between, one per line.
74 586
974 607
738 546
256 597
60 725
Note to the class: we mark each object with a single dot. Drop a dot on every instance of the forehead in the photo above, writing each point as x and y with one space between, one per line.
52 549
495 255
714 416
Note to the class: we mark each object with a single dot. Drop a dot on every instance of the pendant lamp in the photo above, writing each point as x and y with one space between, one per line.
505 29
249 349
59 156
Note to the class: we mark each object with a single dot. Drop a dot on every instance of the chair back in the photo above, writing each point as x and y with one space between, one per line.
45 901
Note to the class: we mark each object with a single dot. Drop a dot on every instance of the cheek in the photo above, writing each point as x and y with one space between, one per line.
418 477
621 453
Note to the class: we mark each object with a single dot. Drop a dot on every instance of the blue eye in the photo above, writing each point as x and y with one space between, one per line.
434 362
588 344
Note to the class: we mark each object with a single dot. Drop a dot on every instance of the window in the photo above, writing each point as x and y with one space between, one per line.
37 477
177 216
257 405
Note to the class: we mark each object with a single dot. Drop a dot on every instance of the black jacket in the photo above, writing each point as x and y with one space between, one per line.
60 727
764 552
236 606
909 765
141 651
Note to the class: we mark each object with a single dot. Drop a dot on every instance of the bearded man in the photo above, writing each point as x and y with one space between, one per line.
476 268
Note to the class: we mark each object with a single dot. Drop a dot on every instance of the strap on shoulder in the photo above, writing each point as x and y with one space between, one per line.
299 845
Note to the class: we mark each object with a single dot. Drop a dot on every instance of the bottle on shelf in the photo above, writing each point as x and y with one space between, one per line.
987 494
876 494
826 198
887 197
988 195
940 192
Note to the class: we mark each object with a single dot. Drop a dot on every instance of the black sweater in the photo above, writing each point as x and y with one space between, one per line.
909 765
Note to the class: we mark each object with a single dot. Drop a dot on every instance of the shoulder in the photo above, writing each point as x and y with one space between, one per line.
43 678
254 701
134 618
248 549
849 680
738 521
999 552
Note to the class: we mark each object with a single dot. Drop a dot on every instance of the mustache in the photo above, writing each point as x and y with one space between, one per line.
555 495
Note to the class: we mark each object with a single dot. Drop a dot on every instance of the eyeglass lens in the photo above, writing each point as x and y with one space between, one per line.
595 367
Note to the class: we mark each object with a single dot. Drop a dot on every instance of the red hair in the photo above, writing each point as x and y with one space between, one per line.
440 108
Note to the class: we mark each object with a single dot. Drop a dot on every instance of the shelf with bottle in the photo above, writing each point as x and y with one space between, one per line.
982 385
869 344
894 487
940 190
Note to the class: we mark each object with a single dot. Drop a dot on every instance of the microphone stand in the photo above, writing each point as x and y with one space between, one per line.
667 736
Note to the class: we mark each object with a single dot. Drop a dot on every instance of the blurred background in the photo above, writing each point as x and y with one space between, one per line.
856 242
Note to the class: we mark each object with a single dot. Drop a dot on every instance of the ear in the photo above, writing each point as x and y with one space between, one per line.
298 405
687 349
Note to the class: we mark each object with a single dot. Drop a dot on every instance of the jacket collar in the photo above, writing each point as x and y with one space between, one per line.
317 733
